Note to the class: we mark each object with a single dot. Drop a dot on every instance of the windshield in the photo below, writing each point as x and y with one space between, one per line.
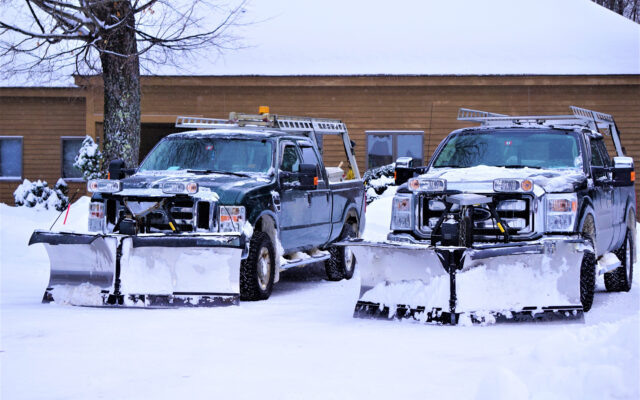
210 154
511 148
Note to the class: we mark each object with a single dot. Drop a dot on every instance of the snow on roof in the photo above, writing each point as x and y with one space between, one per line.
423 37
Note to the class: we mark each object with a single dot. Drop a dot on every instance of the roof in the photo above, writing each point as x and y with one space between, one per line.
238 133
421 37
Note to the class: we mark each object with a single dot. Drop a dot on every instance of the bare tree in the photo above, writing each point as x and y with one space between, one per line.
626 8
112 37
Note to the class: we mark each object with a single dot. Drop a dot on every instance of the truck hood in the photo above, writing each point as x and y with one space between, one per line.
482 176
227 189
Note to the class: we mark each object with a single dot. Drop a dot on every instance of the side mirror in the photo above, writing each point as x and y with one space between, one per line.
305 179
601 176
116 169
623 171
404 162
308 176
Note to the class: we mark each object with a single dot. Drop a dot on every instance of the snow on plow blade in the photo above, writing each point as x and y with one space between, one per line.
144 270
484 284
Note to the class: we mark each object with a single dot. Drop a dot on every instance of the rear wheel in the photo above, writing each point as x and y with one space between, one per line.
258 269
342 263
588 267
619 280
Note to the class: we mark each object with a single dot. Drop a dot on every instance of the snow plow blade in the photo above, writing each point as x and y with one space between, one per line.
482 284
155 271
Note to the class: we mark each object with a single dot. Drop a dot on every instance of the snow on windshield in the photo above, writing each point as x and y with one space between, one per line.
510 148
210 154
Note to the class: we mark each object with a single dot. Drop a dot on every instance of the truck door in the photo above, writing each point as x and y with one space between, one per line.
295 212
319 199
602 195
617 199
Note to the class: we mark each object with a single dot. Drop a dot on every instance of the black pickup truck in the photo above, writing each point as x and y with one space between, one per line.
254 183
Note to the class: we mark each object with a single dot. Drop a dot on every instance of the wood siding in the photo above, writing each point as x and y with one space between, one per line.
41 121
422 103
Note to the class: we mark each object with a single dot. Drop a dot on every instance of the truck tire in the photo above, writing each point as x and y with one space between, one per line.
619 280
257 271
588 266
342 263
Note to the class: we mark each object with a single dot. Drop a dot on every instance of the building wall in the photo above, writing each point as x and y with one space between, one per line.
428 104
41 117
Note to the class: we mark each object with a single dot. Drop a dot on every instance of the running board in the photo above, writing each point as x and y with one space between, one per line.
299 262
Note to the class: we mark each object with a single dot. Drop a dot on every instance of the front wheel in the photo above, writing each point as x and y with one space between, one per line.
619 280
258 270
342 263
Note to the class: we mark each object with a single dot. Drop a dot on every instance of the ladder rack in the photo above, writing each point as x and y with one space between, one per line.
305 126
581 117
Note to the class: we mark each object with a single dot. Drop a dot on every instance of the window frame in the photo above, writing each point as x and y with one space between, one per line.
62 139
14 178
394 142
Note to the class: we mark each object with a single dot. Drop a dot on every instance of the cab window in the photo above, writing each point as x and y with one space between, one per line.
290 159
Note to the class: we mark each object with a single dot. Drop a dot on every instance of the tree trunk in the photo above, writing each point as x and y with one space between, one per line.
121 76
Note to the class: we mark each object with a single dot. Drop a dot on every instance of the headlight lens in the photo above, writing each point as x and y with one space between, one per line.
231 218
561 212
104 186
427 185
512 185
402 213
180 187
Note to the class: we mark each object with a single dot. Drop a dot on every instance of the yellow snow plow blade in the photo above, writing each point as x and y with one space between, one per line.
481 284
144 270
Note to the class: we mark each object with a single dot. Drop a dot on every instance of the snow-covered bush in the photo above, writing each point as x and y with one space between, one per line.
377 180
89 159
38 195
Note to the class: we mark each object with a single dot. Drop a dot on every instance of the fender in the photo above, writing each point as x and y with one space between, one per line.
351 210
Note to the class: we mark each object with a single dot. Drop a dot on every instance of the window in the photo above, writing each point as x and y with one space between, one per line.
70 149
11 157
290 160
384 147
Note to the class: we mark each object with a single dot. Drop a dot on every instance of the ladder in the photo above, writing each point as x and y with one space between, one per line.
305 126
581 117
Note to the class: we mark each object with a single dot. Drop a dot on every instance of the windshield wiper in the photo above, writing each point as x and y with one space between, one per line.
212 171
518 166
448 166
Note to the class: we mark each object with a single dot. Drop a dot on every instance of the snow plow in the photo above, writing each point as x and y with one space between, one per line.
143 270
507 223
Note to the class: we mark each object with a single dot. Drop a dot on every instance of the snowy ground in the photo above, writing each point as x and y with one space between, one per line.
301 343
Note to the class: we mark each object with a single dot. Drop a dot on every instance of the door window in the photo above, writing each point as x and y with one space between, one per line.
290 159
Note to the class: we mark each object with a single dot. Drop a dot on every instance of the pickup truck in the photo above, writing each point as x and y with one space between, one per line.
256 183
536 180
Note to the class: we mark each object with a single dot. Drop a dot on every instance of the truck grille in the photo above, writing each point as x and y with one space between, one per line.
514 209
187 214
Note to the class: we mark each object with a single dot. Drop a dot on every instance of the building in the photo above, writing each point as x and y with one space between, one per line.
402 102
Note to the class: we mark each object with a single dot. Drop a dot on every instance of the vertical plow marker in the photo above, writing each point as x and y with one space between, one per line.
200 270
480 284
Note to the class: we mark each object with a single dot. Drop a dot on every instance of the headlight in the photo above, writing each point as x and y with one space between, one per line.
104 186
561 212
512 185
512 205
231 218
427 185
96 216
402 213
180 187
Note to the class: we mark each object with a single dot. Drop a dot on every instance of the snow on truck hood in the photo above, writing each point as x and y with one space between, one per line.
550 180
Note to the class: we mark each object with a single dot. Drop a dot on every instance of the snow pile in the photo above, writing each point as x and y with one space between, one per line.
39 196
379 216
89 159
